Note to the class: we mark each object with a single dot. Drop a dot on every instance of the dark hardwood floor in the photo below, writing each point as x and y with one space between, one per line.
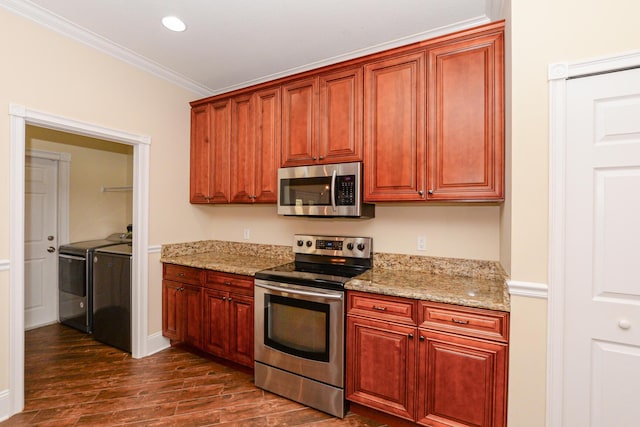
73 380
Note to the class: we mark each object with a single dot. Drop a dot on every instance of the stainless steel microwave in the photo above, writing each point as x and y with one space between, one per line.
332 190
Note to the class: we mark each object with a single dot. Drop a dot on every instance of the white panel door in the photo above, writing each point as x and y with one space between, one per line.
41 243
602 261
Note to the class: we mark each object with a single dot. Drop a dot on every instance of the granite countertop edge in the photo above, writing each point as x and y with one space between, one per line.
408 276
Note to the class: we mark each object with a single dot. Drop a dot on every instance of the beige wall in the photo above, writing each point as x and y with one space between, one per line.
542 33
47 72
93 214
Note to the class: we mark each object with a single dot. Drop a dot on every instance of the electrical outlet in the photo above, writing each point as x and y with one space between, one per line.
421 243
246 234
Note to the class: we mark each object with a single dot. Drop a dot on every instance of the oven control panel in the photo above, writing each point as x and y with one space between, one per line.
355 247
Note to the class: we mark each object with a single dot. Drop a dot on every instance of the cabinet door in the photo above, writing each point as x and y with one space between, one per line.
394 128
192 315
299 122
216 324
242 150
171 310
267 145
220 146
462 381
200 156
241 329
381 359
340 116
466 124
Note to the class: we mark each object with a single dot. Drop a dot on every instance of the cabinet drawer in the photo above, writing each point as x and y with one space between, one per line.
382 307
230 282
182 274
473 322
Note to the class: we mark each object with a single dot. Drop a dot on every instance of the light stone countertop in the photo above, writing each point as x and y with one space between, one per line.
466 291
469 283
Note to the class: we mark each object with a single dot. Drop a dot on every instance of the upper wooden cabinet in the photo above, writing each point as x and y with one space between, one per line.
210 145
426 120
255 142
322 119
299 122
465 81
394 131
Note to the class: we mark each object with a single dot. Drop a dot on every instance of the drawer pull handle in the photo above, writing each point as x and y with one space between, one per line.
461 322
227 283
180 274
377 307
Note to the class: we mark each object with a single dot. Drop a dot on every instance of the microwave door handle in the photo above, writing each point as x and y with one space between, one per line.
333 190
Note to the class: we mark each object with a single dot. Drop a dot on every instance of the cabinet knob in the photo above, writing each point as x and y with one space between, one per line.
321 157
421 192
431 191
410 336
421 337
313 158
224 298
624 324
230 299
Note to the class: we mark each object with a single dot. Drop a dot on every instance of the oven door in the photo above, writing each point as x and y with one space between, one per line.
300 329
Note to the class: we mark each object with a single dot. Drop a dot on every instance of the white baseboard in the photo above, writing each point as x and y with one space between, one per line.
4 405
528 289
156 342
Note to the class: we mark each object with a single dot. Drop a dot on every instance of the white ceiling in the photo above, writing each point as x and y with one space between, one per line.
231 44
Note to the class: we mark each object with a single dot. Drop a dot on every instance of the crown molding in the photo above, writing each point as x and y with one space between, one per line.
62 26
418 37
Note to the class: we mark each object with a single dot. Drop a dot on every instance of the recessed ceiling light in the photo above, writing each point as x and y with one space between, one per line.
173 23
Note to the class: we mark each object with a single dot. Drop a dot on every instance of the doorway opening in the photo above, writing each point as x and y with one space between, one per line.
20 117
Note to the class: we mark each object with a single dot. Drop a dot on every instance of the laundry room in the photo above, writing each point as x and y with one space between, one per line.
78 198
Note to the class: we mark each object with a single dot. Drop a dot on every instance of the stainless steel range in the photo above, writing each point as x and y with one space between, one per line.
300 320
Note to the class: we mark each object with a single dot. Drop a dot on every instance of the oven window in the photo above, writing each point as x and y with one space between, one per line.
305 191
297 327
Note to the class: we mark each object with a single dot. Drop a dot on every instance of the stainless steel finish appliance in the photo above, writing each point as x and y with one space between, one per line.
333 190
75 280
300 320
112 296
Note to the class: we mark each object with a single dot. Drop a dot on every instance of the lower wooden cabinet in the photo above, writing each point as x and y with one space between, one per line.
429 376
381 361
229 326
215 315
462 381
182 305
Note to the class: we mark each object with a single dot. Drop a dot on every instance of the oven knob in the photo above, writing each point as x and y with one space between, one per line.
361 246
350 246
309 243
300 242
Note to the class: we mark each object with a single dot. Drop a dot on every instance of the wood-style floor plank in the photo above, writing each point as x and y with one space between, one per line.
73 380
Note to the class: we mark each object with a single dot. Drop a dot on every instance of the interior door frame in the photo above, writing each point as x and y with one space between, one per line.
63 168
20 116
558 75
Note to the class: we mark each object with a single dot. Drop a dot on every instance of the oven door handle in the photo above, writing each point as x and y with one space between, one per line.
300 292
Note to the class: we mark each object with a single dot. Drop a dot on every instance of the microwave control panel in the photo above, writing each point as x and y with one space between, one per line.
345 190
